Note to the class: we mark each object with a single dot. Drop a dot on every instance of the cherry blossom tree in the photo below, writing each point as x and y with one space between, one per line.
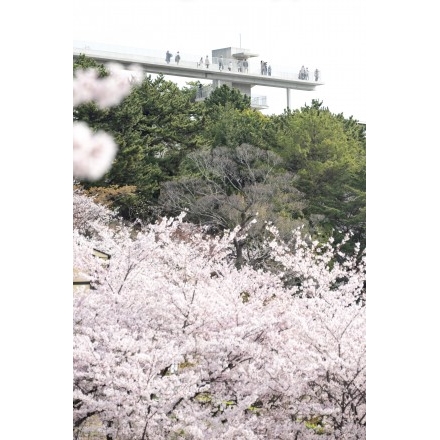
173 341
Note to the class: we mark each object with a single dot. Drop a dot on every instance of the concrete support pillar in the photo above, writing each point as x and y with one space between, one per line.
288 97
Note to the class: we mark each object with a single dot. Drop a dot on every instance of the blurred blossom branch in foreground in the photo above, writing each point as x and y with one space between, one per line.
93 153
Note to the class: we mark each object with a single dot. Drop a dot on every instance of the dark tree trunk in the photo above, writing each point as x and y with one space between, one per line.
239 251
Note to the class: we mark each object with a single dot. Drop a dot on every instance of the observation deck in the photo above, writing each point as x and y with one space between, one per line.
190 67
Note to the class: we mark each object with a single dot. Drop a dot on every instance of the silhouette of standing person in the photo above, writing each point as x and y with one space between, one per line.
220 63
200 63
316 74
230 66
207 62
177 58
269 70
245 66
168 56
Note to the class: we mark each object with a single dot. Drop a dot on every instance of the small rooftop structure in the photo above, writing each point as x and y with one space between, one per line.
233 52
244 55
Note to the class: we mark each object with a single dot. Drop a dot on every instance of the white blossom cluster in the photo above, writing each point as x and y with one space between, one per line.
107 91
174 342
93 153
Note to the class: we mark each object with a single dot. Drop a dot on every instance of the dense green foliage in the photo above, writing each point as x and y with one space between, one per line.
176 153
154 128
224 96
327 153
84 62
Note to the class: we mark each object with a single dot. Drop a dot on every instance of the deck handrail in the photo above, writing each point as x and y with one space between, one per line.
189 60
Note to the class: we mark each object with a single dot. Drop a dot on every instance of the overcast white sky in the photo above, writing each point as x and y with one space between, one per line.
324 34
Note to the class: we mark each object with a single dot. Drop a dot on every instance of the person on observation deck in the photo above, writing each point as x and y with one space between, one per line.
168 56
207 62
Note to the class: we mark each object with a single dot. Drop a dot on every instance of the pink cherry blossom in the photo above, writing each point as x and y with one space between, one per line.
107 91
93 153
173 341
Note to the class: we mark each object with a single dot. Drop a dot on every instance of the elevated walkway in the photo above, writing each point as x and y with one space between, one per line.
241 80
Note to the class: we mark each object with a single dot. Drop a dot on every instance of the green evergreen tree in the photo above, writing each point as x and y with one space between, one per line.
155 126
327 153
224 95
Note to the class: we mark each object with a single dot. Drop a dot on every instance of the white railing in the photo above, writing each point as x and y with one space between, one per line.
204 92
236 66
259 101
189 60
